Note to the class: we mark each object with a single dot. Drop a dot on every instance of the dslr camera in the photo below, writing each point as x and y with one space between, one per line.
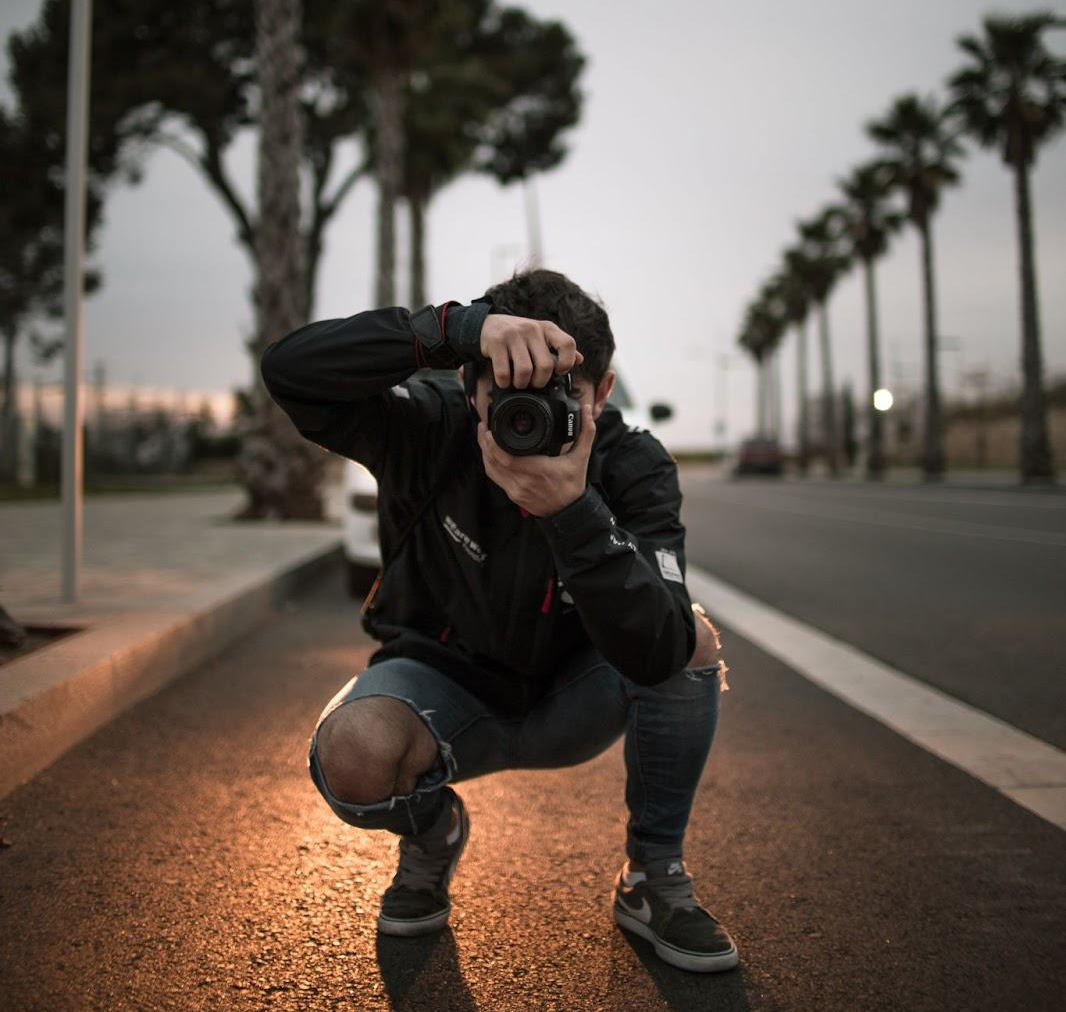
535 420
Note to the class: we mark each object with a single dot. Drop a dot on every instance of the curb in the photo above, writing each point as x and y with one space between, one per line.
44 712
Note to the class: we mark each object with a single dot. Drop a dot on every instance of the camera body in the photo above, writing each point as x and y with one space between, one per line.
536 420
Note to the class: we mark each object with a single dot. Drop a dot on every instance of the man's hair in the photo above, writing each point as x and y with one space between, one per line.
548 295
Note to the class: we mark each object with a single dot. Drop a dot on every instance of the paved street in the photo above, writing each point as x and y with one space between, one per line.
964 588
181 858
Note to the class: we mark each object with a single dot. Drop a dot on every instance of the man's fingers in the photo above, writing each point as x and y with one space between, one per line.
588 431
501 366
543 363
490 449
564 345
521 363
706 651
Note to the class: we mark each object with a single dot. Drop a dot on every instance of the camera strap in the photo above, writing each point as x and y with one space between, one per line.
443 475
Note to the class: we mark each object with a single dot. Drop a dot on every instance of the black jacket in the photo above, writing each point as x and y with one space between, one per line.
495 598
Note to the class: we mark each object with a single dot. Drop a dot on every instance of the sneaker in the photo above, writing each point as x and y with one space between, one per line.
658 904
417 901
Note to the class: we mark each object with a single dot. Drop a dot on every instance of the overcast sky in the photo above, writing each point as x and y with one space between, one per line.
708 130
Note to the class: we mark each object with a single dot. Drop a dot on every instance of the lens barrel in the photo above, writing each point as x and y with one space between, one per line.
522 423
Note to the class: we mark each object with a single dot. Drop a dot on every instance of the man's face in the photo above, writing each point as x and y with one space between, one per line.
582 390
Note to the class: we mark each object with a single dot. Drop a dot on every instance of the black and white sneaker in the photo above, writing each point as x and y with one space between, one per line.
417 902
658 904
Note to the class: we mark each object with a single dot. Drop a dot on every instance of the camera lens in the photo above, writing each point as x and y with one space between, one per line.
522 423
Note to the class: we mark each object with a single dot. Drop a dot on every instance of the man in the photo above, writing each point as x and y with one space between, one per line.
532 608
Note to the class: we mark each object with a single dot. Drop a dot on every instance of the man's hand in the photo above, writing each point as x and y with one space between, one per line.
707 645
540 484
521 350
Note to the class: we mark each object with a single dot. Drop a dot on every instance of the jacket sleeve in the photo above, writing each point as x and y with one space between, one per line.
625 569
338 380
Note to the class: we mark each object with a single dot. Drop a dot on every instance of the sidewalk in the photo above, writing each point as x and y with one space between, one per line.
168 581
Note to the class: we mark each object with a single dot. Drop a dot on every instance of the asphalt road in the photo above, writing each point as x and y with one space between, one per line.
181 859
963 588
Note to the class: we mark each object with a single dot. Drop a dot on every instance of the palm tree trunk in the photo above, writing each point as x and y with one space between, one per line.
875 453
7 417
829 410
388 114
1035 450
933 450
803 433
760 396
417 207
280 470
771 394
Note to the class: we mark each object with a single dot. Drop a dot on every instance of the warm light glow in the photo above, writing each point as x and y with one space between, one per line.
882 399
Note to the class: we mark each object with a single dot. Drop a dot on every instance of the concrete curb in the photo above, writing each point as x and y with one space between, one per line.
56 696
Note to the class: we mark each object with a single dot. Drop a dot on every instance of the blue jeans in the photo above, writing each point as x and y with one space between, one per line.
668 731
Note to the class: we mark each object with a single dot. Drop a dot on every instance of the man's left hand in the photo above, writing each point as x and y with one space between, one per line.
541 485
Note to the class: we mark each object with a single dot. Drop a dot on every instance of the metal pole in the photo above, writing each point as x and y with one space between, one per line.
536 250
74 242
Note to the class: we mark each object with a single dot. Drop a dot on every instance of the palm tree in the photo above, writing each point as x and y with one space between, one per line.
824 261
760 334
280 470
771 304
795 301
920 155
867 221
495 101
1012 96
395 37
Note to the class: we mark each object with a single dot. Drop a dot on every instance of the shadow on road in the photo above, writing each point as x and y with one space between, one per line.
692 992
423 973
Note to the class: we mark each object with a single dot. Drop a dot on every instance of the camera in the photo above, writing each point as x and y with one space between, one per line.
536 420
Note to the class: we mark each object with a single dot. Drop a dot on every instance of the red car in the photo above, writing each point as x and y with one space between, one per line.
760 455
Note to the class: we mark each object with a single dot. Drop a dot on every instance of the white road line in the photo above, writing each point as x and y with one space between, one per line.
932 525
1027 770
1013 498
1010 501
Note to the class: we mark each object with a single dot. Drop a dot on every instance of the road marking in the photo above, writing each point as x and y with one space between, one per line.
1015 499
961 528
1013 503
1029 771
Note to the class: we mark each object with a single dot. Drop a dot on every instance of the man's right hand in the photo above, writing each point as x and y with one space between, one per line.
521 350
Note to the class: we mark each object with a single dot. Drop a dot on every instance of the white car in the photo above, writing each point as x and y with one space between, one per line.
362 554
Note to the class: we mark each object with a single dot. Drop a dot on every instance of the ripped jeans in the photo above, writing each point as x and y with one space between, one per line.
668 731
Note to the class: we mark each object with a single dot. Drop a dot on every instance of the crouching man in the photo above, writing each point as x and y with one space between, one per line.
533 605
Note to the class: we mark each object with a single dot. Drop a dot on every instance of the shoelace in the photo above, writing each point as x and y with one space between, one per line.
420 869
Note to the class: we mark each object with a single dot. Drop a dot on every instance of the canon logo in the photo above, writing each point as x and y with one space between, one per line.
570 424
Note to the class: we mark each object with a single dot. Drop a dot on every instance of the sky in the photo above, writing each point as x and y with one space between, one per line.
708 131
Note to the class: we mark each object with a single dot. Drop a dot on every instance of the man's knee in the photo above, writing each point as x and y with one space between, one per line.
372 748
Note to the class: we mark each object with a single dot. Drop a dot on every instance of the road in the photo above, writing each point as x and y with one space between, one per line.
965 589
181 858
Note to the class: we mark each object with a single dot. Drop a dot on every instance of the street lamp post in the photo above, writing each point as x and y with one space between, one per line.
73 290
536 244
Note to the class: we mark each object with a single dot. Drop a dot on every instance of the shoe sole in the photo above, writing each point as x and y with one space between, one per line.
408 927
683 959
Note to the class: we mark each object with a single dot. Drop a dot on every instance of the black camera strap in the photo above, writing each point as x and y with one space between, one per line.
442 478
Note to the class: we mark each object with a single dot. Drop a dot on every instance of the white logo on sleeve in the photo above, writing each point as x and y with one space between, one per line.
668 565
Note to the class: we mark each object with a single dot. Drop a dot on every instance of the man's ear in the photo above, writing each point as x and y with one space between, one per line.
603 391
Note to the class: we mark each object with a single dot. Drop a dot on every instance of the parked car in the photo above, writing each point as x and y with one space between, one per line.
760 455
362 554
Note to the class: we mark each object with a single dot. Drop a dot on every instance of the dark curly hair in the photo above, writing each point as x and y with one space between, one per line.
541 294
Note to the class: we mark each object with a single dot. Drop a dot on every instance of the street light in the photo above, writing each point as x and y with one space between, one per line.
883 399
73 289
